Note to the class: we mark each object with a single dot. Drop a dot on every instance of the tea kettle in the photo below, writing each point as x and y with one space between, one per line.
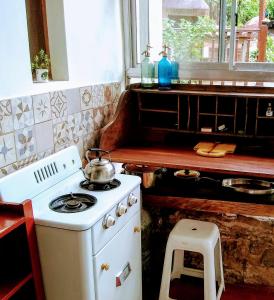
99 170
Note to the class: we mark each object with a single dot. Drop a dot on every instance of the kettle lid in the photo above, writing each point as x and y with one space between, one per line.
99 162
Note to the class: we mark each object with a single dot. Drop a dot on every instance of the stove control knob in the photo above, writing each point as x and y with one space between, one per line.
121 209
132 199
108 221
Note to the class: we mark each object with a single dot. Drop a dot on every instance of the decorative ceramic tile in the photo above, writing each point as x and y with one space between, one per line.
60 135
87 121
62 118
44 136
41 107
6 121
7 150
59 105
91 140
86 98
22 112
108 94
59 120
97 93
44 154
98 117
28 161
8 170
79 143
75 126
25 143
116 88
74 100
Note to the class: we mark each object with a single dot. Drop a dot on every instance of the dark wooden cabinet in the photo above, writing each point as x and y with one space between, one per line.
206 113
20 273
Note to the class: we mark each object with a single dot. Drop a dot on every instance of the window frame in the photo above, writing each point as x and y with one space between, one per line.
221 71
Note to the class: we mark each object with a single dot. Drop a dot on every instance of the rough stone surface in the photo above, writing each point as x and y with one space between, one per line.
247 244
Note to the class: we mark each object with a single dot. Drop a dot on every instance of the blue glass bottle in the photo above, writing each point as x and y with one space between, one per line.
164 71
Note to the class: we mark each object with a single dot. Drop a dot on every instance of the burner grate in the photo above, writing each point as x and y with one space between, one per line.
71 203
91 186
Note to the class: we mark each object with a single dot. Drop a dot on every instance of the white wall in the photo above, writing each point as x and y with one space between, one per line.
94 40
15 70
93 37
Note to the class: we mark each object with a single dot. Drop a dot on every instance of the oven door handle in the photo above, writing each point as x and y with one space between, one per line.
123 275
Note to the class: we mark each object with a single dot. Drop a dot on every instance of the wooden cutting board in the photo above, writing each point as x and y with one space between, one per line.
214 149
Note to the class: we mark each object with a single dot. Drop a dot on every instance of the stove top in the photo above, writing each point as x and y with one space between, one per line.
72 203
91 186
57 175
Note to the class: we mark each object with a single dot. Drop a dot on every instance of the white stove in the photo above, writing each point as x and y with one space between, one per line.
94 254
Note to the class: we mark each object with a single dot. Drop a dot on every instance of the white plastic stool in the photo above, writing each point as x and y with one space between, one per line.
197 236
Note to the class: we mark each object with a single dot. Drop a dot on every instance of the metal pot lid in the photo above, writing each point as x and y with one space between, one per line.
99 162
187 173
140 168
248 186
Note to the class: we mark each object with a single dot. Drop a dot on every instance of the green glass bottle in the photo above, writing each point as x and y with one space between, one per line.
147 70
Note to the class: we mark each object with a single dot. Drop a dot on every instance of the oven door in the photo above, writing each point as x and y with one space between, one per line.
118 265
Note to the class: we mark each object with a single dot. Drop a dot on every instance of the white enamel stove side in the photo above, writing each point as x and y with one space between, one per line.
67 264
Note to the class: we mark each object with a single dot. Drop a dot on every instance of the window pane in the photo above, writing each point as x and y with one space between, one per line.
255 33
191 29
138 50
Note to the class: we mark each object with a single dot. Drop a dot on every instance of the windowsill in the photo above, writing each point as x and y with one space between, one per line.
51 86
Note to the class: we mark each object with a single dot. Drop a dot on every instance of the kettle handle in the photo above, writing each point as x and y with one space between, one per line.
97 153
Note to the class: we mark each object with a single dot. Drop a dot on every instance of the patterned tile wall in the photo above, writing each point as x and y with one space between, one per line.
34 127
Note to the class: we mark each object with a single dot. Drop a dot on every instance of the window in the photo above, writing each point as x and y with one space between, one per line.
212 39
37 26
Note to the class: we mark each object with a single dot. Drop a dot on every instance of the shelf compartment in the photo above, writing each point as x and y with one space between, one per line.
262 106
158 102
8 222
207 121
226 105
15 263
265 127
207 104
228 122
159 120
250 116
10 288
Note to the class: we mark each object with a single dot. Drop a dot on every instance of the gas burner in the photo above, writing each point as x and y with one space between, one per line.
86 184
71 203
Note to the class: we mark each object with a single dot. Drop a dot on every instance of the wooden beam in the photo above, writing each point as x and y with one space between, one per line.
262 35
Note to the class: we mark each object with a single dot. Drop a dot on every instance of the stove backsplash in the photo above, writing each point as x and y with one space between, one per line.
34 127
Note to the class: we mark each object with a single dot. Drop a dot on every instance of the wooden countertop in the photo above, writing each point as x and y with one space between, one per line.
180 158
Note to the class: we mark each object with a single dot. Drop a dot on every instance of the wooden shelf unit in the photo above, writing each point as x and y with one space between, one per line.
241 114
20 272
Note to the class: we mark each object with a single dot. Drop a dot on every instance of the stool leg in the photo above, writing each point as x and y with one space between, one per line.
178 264
165 284
219 268
209 276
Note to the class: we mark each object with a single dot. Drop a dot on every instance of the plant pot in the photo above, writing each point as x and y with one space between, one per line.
42 75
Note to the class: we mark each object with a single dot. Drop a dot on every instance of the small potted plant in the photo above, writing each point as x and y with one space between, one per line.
40 64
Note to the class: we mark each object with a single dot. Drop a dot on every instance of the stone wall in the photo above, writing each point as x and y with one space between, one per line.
247 244
34 127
